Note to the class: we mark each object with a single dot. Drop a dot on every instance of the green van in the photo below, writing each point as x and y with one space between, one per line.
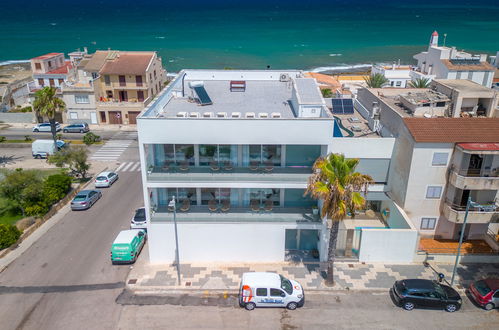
127 245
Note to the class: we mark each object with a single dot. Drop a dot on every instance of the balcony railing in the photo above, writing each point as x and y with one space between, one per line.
127 85
132 102
474 179
484 213
477 172
206 213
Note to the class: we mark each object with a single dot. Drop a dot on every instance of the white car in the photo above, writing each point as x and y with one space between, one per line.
259 289
139 220
45 127
105 179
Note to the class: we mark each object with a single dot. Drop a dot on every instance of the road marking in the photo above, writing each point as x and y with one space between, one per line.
127 167
135 167
119 167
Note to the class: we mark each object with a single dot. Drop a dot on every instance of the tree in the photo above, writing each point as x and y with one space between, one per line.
420 83
335 182
48 104
376 80
326 92
22 189
75 158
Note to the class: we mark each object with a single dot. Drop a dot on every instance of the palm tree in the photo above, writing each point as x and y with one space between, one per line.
48 104
335 182
376 80
420 83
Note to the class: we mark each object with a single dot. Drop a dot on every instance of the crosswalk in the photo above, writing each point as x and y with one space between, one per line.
112 149
129 167
125 135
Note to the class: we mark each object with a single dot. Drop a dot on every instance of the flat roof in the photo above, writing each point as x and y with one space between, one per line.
391 97
46 56
464 85
454 130
424 96
481 66
308 91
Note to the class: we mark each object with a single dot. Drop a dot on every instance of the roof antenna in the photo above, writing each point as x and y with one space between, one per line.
445 36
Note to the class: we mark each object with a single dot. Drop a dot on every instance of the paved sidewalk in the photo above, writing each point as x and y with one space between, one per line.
348 276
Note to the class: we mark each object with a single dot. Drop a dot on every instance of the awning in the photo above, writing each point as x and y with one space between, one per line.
479 146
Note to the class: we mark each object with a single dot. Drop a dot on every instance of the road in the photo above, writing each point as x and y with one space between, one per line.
65 280
16 133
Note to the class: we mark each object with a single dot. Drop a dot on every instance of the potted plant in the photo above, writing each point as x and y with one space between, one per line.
315 210
149 169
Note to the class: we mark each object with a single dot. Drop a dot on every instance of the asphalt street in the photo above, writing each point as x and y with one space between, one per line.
17 133
66 280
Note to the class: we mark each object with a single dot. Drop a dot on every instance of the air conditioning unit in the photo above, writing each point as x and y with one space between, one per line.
284 77
263 115
194 115
207 114
236 115
182 114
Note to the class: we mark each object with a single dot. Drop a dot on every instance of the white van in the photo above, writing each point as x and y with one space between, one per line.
260 289
44 148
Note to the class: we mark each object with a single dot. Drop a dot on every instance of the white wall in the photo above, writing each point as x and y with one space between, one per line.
228 242
388 245
362 147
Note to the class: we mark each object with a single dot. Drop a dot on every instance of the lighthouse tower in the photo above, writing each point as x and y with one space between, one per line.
434 39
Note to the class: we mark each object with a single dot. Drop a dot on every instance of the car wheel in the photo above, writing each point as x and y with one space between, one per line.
81 131
38 157
65 131
451 308
408 306
292 306
489 306
250 306
36 130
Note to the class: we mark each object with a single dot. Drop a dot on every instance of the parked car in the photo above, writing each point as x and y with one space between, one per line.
105 179
85 199
259 289
425 293
76 128
485 293
139 219
45 127
127 246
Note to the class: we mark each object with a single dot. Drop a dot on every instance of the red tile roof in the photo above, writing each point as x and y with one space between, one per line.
453 130
127 63
480 146
44 57
61 70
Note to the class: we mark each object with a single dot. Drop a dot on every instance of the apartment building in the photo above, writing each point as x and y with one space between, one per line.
235 149
125 83
448 63
438 160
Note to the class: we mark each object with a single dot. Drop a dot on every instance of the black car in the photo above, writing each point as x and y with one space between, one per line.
425 293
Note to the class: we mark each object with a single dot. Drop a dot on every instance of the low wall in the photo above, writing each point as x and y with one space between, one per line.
17 117
388 245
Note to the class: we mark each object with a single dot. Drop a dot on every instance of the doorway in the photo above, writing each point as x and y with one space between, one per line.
301 244
115 117
123 95
93 118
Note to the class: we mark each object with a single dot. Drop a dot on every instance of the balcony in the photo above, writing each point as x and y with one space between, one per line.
77 87
133 103
227 173
127 85
202 213
474 179
485 214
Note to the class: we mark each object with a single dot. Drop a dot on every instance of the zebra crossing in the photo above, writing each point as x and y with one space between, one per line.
129 167
112 149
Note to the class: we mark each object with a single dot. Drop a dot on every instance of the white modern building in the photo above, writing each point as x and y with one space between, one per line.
236 149
449 63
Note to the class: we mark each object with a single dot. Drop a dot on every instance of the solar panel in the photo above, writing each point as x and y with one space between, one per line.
347 102
203 97
343 106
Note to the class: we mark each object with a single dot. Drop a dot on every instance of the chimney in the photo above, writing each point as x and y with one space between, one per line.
434 39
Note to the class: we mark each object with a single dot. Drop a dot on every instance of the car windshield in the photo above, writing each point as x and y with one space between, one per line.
100 178
482 288
80 198
439 290
140 215
286 285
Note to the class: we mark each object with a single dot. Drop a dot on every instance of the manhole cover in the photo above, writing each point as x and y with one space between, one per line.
132 281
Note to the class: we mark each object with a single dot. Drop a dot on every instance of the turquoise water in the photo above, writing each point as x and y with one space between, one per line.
222 33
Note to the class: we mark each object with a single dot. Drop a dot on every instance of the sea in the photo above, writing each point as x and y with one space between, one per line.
318 35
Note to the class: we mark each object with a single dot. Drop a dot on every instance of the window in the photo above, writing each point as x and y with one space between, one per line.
154 74
433 192
261 292
107 80
140 96
81 99
138 80
398 83
122 80
150 76
38 66
50 64
277 293
426 104
428 223
109 94
73 115
51 82
61 81
439 159
392 83
41 82
102 116
440 104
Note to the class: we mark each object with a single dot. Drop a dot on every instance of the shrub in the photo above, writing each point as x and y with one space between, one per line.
26 109
36 209
2 138
58 136
55 188
9 234
327 93
90 138
27 138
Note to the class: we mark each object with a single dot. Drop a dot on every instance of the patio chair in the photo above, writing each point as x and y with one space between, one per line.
254 165
269 166
255 205
228 166
186 205
269 205
184 166
212 205
225 205
214 166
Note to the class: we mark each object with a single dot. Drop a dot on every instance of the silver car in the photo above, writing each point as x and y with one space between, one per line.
45 127
85 199
105 179
139 219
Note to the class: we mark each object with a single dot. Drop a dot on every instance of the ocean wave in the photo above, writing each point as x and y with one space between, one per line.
14 62
335 54
341 68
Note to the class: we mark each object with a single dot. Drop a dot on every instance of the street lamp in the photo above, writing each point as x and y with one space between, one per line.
468 205
172 206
